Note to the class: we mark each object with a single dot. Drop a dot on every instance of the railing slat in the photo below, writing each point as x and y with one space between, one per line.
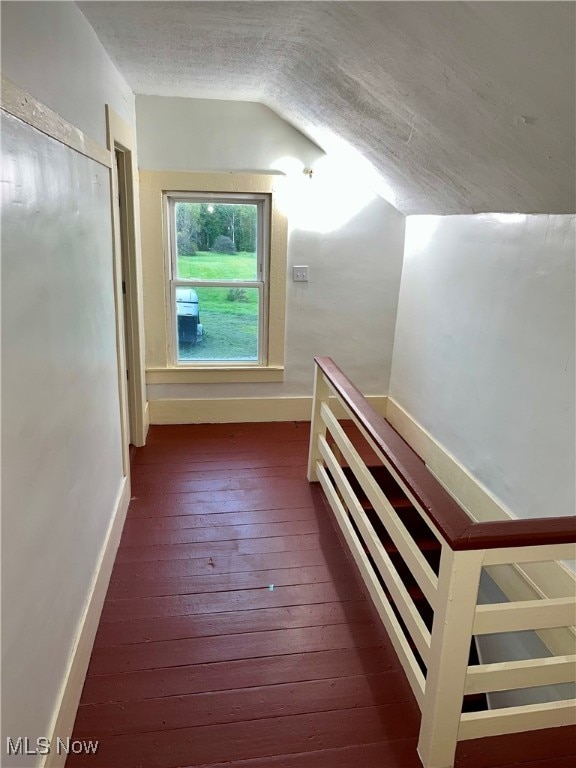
317 426
381 602
421 570
525 614
495 722
528 673
404 603
407 490
530 554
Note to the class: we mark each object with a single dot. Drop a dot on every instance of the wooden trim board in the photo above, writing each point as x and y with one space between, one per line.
120 135
19 103
230 410
214 375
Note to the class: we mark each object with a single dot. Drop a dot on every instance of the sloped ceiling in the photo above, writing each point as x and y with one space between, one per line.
462 107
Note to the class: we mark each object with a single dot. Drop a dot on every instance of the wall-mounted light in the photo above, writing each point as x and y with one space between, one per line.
337 195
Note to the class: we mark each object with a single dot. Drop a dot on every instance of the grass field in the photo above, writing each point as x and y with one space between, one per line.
229 316
205 265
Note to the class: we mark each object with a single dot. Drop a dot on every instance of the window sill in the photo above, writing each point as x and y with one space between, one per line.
212 375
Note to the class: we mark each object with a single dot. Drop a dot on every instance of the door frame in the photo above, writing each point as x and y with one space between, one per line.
126 238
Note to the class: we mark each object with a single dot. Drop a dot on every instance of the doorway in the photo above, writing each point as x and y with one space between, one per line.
127 283
125 316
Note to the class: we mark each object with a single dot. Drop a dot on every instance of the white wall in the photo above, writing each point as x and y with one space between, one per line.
50 50
61 445
351 239
211 135
484 350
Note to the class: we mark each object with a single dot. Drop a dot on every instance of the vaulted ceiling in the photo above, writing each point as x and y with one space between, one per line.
461 107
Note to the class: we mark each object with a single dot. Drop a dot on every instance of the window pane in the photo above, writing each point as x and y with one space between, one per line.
216 241
217 324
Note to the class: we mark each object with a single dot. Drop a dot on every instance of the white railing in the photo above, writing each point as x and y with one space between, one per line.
444 675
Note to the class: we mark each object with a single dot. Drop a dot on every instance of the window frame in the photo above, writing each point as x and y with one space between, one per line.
160 368
261 282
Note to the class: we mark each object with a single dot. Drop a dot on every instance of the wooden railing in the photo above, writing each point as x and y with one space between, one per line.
436 660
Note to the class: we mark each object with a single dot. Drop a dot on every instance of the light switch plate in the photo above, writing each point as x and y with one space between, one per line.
300 274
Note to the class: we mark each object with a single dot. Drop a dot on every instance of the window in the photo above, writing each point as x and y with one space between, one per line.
168 264
219 264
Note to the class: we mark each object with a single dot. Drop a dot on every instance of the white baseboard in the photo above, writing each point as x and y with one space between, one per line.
67 705
231 410
530 581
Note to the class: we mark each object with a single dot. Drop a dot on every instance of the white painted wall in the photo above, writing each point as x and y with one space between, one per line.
351 239
50 50
61 445
484 350
210 135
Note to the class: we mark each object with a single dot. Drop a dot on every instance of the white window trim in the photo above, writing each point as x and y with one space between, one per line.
161 367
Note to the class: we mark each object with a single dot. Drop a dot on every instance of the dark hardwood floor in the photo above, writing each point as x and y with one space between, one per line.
234 632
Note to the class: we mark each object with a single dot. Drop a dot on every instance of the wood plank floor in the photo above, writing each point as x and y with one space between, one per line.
234 632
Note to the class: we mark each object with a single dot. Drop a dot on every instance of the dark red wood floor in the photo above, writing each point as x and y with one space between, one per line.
234 632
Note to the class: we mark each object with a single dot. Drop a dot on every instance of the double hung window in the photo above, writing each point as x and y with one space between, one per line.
219 266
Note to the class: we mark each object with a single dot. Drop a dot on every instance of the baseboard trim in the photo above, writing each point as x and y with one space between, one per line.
67 705
241 409
530 581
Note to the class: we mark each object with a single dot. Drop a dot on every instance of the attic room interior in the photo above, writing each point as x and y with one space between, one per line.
288 383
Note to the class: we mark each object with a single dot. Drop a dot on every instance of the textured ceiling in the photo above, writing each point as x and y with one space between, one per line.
462 107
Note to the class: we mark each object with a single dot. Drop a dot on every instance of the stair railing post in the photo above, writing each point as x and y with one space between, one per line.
317 426
457 596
